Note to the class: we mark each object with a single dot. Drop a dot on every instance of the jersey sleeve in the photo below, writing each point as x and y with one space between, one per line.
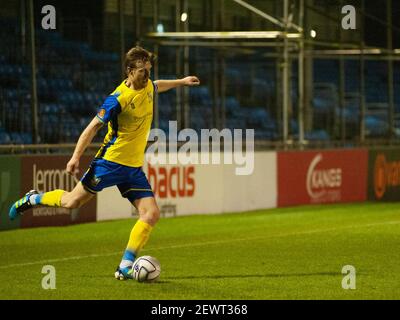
109 108
155 87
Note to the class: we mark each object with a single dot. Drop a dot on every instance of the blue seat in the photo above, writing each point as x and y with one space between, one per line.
5 138
26 138
231 105
235 123
376 125
319 135
16 138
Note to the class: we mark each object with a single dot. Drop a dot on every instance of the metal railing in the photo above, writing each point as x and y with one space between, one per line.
262 145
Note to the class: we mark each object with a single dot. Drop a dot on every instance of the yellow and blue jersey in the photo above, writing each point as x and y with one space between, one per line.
129 114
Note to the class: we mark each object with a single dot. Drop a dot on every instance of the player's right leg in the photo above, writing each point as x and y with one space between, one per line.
101 174
56 198
140 233
138 191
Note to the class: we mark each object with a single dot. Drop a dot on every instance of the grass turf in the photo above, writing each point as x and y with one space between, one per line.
289 253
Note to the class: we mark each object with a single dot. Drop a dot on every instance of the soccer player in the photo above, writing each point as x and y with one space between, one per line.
128 112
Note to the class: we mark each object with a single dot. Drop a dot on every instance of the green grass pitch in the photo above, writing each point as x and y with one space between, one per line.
290 253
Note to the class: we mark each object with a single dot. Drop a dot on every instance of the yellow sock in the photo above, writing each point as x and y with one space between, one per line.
139 235
52 198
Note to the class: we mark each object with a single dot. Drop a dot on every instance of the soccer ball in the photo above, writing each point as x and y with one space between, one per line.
146 269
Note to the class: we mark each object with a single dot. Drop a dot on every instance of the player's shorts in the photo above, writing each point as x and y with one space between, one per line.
131 182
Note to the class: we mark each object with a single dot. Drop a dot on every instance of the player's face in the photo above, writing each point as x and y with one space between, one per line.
141 74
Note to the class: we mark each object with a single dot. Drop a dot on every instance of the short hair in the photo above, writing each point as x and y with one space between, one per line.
137 54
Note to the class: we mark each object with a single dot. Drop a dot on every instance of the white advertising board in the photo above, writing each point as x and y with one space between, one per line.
201 189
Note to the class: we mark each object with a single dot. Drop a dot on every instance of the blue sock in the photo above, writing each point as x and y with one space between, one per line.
127 259
35 199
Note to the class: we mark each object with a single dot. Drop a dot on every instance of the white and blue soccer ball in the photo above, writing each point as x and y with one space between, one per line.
146 269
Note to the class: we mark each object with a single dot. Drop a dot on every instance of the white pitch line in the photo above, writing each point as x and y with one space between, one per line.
200 244
57 260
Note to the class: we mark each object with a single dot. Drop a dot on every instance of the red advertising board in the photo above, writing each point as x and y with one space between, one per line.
313 177
46 173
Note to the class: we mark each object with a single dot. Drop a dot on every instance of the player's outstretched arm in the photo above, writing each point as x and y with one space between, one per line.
165 85
84 140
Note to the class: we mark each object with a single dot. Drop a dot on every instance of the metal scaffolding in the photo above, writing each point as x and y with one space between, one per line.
294 44
288 42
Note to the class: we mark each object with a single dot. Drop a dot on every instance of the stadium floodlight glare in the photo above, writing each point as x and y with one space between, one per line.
184 17
227 35
160 28
313 33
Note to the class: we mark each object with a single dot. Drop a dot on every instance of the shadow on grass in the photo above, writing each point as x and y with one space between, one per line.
112 279
166 279
244 276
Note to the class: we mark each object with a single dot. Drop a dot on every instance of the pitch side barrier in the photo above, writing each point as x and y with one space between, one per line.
200 187
21 173
339 175
278 179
